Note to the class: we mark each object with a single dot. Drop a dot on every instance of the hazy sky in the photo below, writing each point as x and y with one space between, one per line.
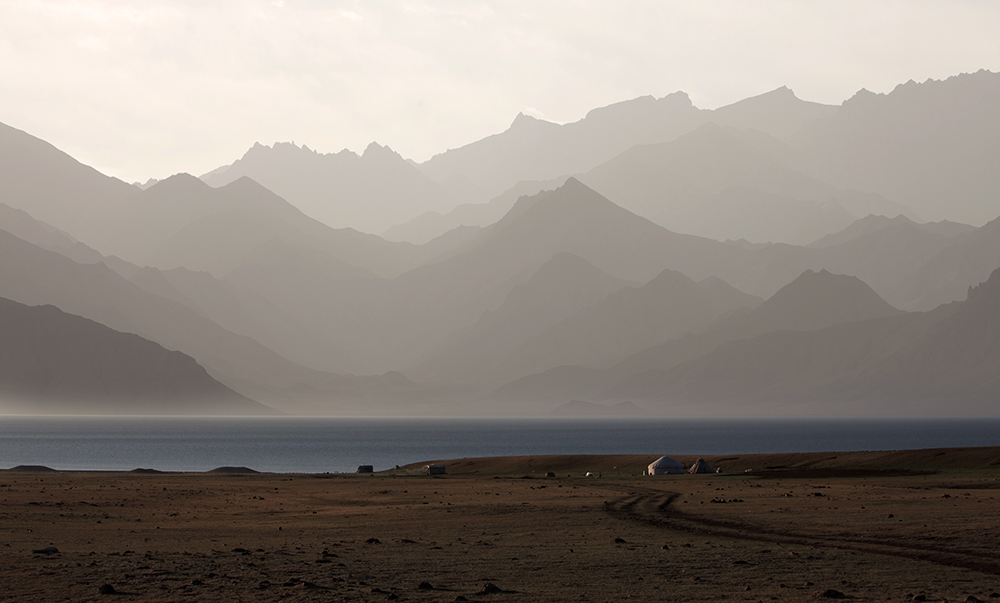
148 89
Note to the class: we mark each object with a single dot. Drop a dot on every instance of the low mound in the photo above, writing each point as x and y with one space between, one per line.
32 469
232 470
141 470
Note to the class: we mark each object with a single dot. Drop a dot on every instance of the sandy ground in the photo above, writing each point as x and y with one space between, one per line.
869 528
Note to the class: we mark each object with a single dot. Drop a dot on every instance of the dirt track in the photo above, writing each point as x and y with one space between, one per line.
212 537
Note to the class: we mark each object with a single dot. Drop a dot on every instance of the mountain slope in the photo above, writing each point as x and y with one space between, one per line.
55 188
51 361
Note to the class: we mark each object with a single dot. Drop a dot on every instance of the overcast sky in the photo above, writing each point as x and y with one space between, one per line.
148 89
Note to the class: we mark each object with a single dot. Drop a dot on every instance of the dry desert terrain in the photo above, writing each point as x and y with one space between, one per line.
921 525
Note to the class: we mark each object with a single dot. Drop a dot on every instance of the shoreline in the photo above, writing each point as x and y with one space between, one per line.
632 465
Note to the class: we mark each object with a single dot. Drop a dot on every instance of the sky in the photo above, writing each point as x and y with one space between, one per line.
147 89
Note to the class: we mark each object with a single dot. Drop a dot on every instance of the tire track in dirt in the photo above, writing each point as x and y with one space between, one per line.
657 508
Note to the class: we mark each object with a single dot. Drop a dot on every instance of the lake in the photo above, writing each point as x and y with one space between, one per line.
317 445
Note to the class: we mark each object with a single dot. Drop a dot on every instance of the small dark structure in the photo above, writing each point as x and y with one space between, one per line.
366 469
701 466
434 469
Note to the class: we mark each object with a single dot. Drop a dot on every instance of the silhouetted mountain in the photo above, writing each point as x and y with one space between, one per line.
812 301
532 149
53 362
723 183
969 259
33 276
181 221
778 112
872 224
369 193
396 323
55 188
562 286
427 226
20 224
932 146
942 362
627 322
879 251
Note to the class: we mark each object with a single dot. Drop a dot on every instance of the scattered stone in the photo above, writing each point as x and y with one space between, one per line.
891 515
919 598
490 589
550 474
425 586
994 595
197 582
241 551
973 599
665 547
740 562
49 550
460 598
373 541
619 541
392 597
829 594
106 589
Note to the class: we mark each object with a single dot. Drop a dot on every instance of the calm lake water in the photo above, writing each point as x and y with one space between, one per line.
316 445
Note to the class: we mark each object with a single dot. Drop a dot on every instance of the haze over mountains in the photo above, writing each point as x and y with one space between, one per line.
771 256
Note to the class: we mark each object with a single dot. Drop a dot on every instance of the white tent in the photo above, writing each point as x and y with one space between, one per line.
665 466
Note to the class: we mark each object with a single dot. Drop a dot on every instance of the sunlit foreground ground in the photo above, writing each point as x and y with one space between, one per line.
867 526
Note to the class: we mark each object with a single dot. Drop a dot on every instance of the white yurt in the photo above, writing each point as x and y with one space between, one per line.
665 466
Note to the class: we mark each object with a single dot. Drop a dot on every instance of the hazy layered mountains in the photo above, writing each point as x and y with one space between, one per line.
368 192
533 149
51 361
930 145
577 281
395 322
724 183
812 301
941 362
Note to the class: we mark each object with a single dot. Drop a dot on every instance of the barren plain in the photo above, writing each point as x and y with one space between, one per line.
871 526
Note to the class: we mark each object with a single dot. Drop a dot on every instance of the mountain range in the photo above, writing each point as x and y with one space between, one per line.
766 257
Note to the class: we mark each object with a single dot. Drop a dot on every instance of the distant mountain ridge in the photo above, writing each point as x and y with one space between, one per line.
368 192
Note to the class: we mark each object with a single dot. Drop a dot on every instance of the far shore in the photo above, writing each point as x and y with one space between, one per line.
633 465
